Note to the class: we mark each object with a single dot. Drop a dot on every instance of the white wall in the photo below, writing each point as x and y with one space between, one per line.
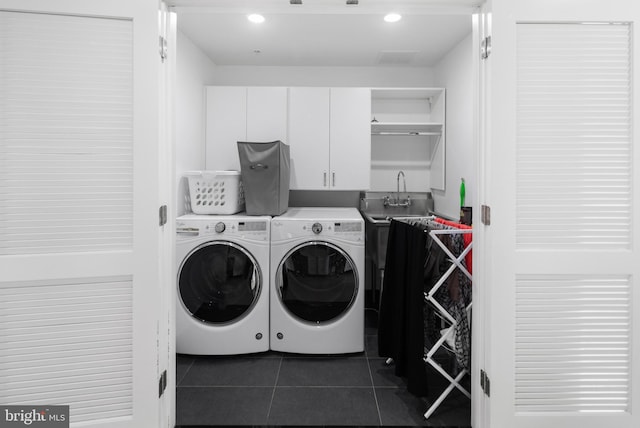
193 72
324 76
455 73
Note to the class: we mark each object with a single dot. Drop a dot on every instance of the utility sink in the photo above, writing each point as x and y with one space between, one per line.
378 213
378 209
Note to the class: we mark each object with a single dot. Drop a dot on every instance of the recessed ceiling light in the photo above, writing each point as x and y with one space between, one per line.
393 17
255 18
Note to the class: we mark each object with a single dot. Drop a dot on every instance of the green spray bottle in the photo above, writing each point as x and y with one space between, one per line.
463 209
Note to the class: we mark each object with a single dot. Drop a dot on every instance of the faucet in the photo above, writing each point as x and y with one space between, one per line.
398 188
397 203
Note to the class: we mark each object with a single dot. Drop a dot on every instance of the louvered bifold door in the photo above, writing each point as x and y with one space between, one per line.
573 184
67 213
561 164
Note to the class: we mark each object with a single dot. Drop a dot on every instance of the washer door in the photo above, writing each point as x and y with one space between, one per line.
219 282
317 282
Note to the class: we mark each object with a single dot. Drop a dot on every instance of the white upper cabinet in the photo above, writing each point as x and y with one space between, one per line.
266 114
327 130
350 143
237 113
329 137
309 137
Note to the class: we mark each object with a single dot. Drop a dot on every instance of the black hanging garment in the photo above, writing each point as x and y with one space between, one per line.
400 329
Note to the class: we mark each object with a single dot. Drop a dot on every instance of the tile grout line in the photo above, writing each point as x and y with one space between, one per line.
185 372
375 396
273 394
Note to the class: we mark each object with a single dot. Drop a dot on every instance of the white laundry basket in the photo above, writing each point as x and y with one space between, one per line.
215 192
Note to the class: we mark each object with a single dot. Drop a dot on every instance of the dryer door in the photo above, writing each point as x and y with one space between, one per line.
317 282
219 282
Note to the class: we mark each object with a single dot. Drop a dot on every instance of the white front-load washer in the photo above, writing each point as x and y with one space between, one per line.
317 281
222 284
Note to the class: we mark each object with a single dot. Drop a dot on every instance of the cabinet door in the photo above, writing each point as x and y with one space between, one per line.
350 138
309 138
266 114
226 124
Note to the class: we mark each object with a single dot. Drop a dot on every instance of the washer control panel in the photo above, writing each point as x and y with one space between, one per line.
236 227
257 230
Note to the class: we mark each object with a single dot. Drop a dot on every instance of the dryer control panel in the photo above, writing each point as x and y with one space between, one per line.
346 230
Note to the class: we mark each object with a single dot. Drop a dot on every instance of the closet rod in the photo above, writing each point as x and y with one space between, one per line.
403 134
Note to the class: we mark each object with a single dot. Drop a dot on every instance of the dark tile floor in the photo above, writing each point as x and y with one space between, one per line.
279 389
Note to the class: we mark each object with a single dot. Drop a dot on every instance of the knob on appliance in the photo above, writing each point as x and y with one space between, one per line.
220 227
317 228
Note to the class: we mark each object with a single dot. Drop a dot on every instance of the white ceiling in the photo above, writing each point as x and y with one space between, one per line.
325 32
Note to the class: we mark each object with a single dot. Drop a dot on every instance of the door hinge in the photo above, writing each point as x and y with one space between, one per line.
163 48
162 383
485 383
485 215
485 47
162 213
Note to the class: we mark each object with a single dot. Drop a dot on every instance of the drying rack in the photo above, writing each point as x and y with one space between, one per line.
454 382
456 262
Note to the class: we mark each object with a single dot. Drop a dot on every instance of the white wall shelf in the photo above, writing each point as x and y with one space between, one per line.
395 164
406 128
408 132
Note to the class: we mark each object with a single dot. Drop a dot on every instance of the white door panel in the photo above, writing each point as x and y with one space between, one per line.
562 244
309 137
80 191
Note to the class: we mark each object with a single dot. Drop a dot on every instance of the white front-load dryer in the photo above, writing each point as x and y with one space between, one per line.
222 284
317 281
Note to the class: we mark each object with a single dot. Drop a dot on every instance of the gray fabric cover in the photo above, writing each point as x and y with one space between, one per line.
264 168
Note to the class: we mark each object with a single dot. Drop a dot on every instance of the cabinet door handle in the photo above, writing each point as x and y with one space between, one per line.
333 176
324 180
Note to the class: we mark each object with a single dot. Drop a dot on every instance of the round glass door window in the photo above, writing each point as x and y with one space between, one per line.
317 282
219 282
